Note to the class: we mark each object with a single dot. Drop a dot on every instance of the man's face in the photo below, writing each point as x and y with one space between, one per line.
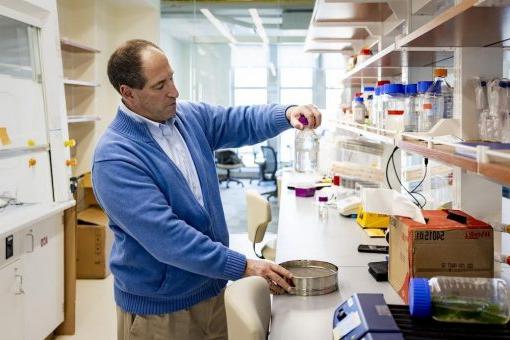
157 99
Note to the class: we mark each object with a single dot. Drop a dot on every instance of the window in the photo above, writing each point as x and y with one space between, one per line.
334 68
296 87
250 87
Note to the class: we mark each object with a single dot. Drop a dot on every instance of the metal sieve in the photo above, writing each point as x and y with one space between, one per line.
312 277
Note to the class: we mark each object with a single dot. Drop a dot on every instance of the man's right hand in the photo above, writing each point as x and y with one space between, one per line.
277 276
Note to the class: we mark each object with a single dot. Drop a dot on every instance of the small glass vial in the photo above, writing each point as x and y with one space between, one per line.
460 299
323 208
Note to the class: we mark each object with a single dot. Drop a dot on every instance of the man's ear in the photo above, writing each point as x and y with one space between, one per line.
127 93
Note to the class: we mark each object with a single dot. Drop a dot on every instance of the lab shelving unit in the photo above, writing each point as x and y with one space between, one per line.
468 37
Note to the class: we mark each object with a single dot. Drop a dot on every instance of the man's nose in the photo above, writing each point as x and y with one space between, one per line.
173 93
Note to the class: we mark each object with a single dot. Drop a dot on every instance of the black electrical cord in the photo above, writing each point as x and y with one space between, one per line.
402 185
412 192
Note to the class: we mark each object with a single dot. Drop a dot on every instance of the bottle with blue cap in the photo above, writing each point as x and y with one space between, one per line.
460 299
306 148
359 110
394 95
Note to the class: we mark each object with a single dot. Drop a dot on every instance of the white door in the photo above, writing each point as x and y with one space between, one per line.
12 286
44 277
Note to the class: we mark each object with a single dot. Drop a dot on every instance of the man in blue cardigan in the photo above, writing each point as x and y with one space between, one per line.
154 175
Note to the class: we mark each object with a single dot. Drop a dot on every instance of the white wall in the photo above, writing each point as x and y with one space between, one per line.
178 53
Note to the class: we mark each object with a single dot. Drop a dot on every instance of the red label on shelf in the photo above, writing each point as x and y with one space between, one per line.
427 106
395 112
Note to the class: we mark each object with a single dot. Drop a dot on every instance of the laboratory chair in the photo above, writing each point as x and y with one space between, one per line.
248 307
228 160
268 172
258 213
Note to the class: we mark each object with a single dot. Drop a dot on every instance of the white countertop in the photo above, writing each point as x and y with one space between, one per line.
13 218
301 235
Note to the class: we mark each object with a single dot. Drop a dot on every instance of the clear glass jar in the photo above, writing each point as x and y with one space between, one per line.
426 108
460 299
359 110
410 116
394 106
306 148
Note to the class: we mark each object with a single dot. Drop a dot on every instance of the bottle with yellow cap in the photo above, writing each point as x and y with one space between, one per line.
443 93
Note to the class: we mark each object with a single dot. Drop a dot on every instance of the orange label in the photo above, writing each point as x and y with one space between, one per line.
427 106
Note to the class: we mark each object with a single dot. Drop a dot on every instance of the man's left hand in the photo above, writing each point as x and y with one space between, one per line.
309 111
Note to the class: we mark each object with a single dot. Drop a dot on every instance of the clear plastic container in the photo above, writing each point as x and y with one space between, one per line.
306 148
426 107
443 92
410 116
394 107
359 110
460 299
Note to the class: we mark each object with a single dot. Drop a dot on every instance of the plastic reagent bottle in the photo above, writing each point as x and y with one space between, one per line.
306 148
460 299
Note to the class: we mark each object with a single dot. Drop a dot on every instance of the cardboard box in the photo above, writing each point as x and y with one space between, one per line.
94 242
451 243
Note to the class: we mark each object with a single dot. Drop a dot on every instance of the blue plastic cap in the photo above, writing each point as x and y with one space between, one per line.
394 89
378 90
358 99
368 89
423 86
411 89
420 302
503 84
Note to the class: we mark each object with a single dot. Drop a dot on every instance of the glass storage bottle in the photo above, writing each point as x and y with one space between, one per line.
359 110
306 148
374 117
460 299
394 106
380 103
410 116
443 92
426 106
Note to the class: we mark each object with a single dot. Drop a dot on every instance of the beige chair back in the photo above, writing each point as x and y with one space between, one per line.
258 215
248 307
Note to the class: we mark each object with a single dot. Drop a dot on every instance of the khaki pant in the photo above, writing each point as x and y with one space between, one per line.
206 320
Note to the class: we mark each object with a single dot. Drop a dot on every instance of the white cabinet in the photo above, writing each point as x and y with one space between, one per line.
32 280
12 301
44 277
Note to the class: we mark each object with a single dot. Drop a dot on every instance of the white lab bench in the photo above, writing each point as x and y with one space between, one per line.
301 235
